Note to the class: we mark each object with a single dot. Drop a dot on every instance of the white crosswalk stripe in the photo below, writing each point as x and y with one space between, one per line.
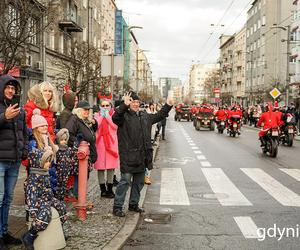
247 227
172 188
221 184
295 173
278 191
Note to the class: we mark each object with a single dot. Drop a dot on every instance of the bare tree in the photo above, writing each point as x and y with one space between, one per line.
21 25
82 69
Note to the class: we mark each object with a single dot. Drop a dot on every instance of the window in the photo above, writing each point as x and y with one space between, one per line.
95 42
263 20
259 5
51 40
251 30
84 34
95 14
84 3
13 21
255 27
258 24
61 43
32 30
258 42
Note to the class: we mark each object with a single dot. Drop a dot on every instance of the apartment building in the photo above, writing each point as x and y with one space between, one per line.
294 55
266 48
197 79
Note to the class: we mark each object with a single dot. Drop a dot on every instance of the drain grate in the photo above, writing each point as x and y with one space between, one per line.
158 218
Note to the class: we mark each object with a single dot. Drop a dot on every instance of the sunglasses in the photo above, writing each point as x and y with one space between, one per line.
107 105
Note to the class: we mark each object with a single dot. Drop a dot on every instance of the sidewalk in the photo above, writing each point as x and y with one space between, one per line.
297 138
101 230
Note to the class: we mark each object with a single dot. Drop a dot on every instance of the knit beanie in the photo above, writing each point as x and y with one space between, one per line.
62 134
37 120
47 156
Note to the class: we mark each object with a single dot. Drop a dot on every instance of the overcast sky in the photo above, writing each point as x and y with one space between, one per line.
176 32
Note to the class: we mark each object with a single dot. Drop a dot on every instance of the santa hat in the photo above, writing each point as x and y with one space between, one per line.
37 120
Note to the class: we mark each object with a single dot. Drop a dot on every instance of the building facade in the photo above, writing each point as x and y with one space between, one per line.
233 67
197 81
295 52
266 48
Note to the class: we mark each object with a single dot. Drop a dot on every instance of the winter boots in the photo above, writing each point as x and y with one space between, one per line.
115 181
147 180
107 193
117 211
28 240
136 208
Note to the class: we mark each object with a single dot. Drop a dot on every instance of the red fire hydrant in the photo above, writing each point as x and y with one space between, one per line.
83 156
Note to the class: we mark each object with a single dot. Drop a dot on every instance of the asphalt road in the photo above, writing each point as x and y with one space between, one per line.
212 191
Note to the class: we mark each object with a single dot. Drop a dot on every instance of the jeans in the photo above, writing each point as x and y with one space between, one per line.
137 185
9 171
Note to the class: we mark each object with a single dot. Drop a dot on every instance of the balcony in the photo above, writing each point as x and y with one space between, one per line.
71 23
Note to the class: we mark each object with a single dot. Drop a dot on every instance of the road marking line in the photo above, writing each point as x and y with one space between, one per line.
192 144
247 227
205 164
172 188
221 184
201 157
198 152
278 191
295 173
195 148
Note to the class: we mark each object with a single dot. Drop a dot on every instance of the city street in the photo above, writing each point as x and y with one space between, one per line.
212 191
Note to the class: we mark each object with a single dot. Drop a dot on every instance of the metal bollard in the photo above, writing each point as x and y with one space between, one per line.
83 156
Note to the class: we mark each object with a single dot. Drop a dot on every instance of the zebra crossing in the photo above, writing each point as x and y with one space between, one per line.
174 192
173 189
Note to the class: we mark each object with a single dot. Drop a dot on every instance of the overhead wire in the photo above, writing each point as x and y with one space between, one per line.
236 18
218 23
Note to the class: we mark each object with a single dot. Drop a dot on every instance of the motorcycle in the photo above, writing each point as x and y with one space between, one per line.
234 126
288 131
221 126
271 142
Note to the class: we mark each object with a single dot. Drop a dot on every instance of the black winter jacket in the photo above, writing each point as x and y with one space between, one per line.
134 137
13 132
80 131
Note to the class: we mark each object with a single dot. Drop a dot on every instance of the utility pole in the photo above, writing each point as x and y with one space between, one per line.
287 85
137 71
251 77
112 66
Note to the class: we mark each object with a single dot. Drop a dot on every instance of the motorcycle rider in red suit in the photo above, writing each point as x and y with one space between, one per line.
270 120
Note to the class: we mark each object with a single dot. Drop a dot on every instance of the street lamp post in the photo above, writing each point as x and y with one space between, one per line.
288 41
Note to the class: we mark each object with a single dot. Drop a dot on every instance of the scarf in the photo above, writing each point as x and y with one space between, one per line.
103 131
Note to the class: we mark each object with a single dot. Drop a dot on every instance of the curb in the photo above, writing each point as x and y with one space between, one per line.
296 138
131 221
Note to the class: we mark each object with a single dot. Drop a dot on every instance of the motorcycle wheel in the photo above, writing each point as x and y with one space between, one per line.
198 125
273 148
290 140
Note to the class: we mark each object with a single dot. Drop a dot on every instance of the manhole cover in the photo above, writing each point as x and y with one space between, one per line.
210 196
158 218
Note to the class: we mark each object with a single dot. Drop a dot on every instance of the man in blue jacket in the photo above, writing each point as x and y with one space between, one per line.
13 148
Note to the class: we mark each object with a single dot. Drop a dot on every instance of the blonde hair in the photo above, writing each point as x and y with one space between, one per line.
40 142
53 102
